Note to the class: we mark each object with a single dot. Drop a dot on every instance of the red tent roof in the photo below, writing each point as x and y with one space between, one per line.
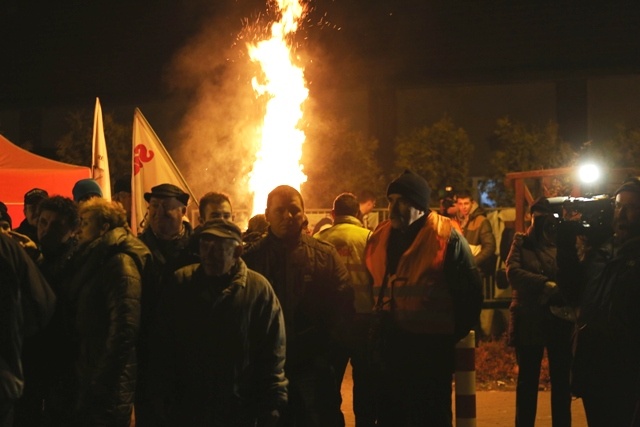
20 171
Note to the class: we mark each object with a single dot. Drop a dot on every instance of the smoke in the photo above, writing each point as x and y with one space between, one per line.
220 128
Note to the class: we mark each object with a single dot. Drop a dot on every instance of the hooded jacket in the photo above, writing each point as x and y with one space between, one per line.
106 292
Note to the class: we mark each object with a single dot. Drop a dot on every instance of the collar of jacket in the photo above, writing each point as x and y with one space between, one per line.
347 219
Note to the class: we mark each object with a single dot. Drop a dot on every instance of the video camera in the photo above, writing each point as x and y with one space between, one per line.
591 217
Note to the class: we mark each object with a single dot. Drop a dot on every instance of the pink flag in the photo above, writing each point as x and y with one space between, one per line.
152 165
100 160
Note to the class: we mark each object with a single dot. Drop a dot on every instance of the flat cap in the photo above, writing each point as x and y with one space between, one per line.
222 228
167 190
34 196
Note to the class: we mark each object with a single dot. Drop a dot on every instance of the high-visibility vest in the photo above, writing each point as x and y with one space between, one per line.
417 294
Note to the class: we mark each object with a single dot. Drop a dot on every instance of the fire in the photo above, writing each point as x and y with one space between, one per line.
278 157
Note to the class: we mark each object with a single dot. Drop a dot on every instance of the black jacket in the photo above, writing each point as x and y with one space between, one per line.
218 353
313 286
26 305
105 292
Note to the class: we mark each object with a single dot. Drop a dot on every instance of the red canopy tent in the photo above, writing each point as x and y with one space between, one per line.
20 171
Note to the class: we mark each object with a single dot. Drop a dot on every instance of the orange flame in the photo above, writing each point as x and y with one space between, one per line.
278 157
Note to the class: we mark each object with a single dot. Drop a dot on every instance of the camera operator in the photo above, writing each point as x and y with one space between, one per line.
532 270
606 370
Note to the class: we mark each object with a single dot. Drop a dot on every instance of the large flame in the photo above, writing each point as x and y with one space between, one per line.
278 157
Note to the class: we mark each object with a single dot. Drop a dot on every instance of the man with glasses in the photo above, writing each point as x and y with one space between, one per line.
167 236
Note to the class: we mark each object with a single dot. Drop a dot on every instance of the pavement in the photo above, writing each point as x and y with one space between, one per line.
493 408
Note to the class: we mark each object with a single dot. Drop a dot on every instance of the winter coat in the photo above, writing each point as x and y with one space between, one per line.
218 354
167 257
607 355
530 265
350 239
26 306
478 232
313 287
105 292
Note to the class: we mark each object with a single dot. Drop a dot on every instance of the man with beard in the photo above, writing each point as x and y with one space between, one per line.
607 358
312 284
428 295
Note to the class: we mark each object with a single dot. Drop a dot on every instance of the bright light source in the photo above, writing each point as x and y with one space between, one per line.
589 173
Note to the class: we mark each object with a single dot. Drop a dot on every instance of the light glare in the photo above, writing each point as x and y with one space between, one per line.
589 173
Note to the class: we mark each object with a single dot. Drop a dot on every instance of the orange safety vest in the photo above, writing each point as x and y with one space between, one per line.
417 294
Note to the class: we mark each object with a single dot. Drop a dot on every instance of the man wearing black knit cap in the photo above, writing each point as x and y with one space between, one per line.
428 294
606 368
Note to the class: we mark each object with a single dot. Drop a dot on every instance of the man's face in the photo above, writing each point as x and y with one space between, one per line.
90 228
217 211
31 213
463 205
165 216
217 254
367 206
53 230
285 216
401 212
626 218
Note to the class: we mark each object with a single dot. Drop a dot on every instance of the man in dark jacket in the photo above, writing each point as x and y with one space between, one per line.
219 350
26 305
606 370
167 235
29 226
312 284
48 356
428 295
476 228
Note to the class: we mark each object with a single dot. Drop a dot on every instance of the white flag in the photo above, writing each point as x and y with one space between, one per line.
100 160
152 165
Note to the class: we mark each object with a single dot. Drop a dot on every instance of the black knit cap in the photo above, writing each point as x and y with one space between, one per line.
167 190
413 187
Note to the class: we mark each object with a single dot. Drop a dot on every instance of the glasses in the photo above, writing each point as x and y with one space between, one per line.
220 215
165 204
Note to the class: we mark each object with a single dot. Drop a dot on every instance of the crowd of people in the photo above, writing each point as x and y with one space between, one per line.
209 325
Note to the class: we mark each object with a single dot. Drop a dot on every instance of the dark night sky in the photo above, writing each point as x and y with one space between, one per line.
58 51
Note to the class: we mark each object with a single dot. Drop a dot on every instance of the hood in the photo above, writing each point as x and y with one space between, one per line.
476 210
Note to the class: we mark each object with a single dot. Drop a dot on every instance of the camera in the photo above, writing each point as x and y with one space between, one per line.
591 217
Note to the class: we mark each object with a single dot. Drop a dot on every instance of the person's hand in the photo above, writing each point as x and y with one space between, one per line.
269 419
27 244
550 288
